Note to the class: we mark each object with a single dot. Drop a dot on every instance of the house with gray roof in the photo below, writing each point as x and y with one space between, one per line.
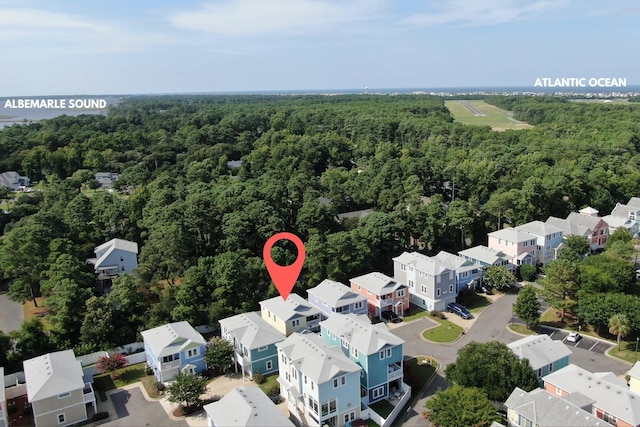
372 347
634 378
106 179
468 274
254 343
115 257
383 293
57 390
13 181
245 407
295 314
519 245
334 297
612 401
539 408
320 384
172 348
544 354
548 239
431 282
629 212
486 256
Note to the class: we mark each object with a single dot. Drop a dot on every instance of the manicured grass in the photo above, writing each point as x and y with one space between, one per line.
270 383
127 375
477 303
627 351
446 332
149 383
382 408
414 313
520 329
495 117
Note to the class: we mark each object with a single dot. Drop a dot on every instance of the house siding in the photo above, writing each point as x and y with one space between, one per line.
423 289
259 360
46 411
347 398
125 261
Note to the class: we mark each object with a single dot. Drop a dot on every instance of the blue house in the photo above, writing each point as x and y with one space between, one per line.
172 348
372 347
334 297
468 274
320 384
254 342
544 354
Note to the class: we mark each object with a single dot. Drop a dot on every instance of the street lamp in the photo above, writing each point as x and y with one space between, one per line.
637 339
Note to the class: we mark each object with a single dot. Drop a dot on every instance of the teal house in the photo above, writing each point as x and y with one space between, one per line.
544 354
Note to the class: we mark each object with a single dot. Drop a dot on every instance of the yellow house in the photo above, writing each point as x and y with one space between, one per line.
293 315
634 378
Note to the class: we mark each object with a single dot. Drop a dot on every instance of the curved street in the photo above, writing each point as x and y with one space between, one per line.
490 325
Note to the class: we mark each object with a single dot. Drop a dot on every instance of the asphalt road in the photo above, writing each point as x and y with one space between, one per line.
10 313
490 325
132 409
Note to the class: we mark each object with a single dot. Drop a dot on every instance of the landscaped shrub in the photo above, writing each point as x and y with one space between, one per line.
148 370
273 390
160 386
528 272
258 378
434 313
441 315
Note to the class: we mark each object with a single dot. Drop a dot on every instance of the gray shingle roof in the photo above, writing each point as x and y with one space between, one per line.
455 262
52 374
587 221
335 294
251 330
366 338
539 228
172 338
635 370
484 254
378 283
246 406
569 228
544 409
512 235
315 358
430 265
611 396
539 349
295 306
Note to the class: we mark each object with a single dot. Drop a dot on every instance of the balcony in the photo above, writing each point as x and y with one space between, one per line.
167 366
394 372
87 393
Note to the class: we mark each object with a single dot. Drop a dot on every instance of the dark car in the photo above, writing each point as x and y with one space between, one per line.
459 309
487 290
391 317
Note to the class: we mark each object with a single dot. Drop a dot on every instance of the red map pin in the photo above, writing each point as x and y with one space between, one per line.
285 276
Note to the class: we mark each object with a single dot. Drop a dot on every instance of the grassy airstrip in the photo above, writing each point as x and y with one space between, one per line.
495 117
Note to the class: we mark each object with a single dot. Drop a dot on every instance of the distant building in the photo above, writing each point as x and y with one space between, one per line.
293 315
115 257
382 292
519 245
548 239
627 216
487 257
106 179
334 297
13 180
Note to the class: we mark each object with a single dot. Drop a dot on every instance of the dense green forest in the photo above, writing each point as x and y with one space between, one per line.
201 225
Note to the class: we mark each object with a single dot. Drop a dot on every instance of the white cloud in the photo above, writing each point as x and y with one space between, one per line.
479 13
255 17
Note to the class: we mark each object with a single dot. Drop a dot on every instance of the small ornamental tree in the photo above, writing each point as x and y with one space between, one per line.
111 363
460 406
218 355
527 306
499 277
186 389
528 272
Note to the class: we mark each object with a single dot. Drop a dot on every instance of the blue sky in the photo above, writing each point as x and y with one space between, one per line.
99 47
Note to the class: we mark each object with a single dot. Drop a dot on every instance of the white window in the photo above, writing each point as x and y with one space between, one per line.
269 365
438 292
385 353
411 283
450 288
609 418
349 417
329 407
410 269
403 267
358 304
64 395
378 392
305 379
345 343
313 404
295 322
263 348
62 418
354 352
420 273
340 381
423 289
558 389
400 293
550 367
193 352
283 358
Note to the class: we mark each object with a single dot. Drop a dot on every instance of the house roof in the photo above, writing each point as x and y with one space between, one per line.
9 179
455 262
355 214
315 358
246 406
52 374
484 254
251 330
609 395
365 337
294 306
544 409
335 294
583 220
512 235
172 338
634 202
635 370
569 228
539 228
430 265
123 245
540 350
377 283
617 221
589 211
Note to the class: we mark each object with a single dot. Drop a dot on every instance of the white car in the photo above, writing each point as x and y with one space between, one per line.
574 337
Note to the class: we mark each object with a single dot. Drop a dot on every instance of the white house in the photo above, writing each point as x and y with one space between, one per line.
548 239
115 257
630 213
334 297
57 390
245 407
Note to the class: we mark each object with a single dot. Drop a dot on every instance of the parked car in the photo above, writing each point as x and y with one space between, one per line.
391 317
574 337
459 309
487 290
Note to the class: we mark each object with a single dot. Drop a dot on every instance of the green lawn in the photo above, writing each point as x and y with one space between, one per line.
477 303
270 383
627 351
414 313
520 329
128 375
495 117
446 332
383 408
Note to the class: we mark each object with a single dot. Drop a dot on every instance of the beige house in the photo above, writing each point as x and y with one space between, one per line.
293 315
56 389
634 378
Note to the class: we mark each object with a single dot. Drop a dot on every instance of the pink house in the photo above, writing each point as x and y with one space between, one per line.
520 246
383 293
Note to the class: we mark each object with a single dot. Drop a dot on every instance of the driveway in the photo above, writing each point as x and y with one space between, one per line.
10 313
132 410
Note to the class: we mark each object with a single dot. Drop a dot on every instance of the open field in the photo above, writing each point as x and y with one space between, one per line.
468 113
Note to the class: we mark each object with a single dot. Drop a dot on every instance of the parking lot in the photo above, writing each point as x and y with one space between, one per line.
586 343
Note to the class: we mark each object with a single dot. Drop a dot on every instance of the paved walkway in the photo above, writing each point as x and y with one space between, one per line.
11 314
